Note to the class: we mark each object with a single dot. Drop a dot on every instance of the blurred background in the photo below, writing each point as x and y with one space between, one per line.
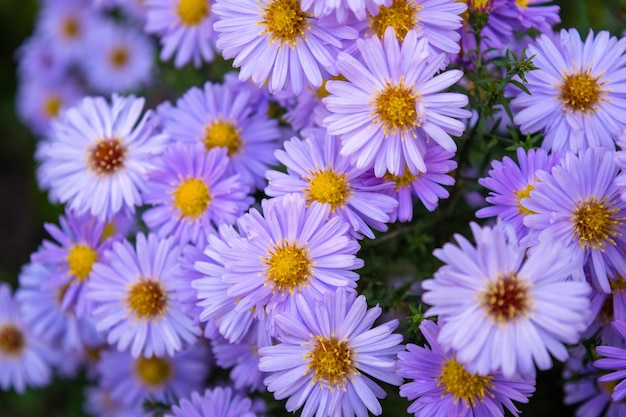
24 209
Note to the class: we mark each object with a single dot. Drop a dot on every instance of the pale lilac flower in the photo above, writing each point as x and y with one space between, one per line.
504 308
277 42
328 356
392 105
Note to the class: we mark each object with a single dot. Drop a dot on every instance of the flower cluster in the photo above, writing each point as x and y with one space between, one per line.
240 223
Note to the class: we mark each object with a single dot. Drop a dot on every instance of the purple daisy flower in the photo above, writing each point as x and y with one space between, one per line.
117 58
328 355
614 359
426 186
219 402
42 310
223 116
80 242
441 386
185 28
36 59
393 104
135 296
288 250
41 102
509 182
24 359
576 95
578 205
504 308
98 155
437 21
317 172
217 307
276 42
65 25
131 380
192 193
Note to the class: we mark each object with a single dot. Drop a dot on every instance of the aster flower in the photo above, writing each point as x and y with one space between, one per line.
42 310
277 42
317 172
437 21
37 60
98 155
65 25
576 96
441 386
578 204
393 104
192 193
223 116
40 102
426 186
287 250
217 307
79 244
505 309
117 58
24 359
130 380
135 298
328 355
509 182
185 28
219 402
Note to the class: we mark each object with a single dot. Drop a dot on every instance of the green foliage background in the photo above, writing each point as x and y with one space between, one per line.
24 209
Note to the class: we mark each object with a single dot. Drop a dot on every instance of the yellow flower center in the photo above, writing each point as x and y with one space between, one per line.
288 267
222 133
285 21
506 299
107 156
331 361
119 56
522 3
403 180
70 27
153 371
326 186
595 223
401 16
52 105
147 299
80 260
462 385
12 341
192 197
478 5
618 285
192 12
580 92
395 108
524 193
322 92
